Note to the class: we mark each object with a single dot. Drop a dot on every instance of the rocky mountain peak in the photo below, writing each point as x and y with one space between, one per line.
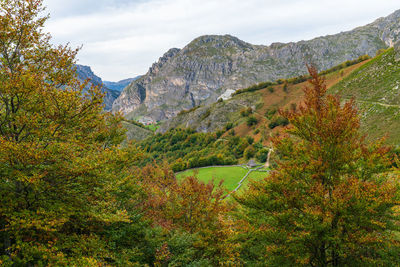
211 65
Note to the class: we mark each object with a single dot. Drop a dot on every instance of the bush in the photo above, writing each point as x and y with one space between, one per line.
250 140
184 111
270 112
251 121
280 121
219 133
228 126
178 165
271 89
249 152
262 155
246 112
253 88
285 87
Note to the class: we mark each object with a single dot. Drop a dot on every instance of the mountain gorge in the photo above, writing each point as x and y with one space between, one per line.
85 73
210 65
120 85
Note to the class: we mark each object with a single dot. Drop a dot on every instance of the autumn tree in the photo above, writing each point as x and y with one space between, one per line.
194 216
58 162
332 199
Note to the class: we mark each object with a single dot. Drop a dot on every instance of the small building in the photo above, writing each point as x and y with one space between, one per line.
252 164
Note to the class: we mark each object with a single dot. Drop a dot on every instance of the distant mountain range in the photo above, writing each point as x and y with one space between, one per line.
207 67
119 86
112 89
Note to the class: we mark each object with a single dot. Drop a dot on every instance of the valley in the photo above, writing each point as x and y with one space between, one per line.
225 153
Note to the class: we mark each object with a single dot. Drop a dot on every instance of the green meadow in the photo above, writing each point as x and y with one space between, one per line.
230 175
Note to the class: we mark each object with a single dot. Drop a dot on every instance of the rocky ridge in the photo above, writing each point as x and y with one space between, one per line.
210 65
85 72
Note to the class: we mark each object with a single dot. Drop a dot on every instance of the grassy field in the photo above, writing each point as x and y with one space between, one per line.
254 176
230 175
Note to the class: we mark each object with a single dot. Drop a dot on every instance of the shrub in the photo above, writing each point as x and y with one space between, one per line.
252 120
270 112
280 121
253 88
262 155
219 133
285 87
185 111
250 140
271 89
178 165
246 112
249 152
228 126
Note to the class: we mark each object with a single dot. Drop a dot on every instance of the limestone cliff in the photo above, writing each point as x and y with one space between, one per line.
210 65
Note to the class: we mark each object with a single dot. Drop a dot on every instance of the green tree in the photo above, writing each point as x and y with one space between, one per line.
58 162
331 200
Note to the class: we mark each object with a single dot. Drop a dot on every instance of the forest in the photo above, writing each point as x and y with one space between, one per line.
72 195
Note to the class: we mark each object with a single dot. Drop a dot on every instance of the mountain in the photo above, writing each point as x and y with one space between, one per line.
119 86
263 102
207 67
373 83
85 72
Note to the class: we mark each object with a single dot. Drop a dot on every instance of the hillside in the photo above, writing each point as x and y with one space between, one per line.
375 85
376 88
210 65
263 102
135 132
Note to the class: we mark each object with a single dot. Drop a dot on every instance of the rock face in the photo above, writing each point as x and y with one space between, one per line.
85 72
210 65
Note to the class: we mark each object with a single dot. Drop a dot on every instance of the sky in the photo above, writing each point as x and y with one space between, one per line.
123 38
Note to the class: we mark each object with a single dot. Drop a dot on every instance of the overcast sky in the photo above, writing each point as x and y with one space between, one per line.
122 38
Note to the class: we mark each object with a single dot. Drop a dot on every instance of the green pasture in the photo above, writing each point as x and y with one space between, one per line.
231 175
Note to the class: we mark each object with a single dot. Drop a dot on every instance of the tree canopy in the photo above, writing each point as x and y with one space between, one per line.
56 148
331 201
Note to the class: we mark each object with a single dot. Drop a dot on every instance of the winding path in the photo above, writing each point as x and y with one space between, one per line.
374 103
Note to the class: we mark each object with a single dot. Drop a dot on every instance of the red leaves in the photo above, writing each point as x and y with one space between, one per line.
330 194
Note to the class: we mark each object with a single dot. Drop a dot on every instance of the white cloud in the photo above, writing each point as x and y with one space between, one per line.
122 38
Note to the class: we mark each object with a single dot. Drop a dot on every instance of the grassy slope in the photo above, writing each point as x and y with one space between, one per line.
135 132
375 87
